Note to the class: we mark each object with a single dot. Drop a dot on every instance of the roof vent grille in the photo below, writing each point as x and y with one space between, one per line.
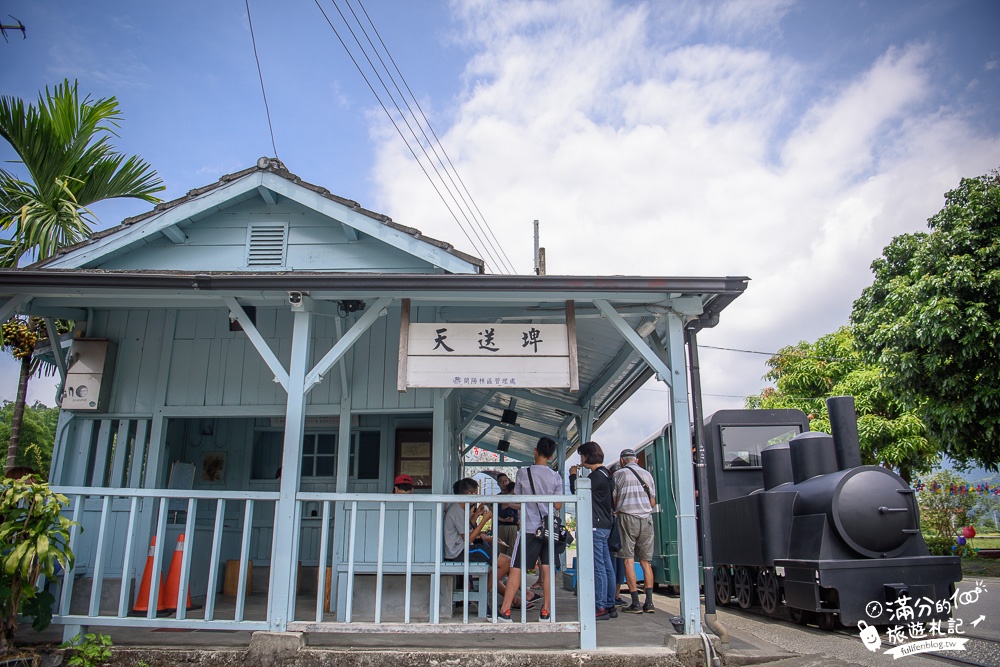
266 244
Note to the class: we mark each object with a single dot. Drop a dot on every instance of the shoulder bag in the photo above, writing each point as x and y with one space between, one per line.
563 536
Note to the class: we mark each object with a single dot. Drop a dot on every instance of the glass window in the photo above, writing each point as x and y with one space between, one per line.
368 459
267 446
741 445
319 455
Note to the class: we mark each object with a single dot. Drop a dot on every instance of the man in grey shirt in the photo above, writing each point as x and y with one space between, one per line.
538 479
635 499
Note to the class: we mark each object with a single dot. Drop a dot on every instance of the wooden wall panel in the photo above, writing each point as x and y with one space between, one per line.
178 389
252 364
233 377
211 366
149 362
216 363
359 374
376 362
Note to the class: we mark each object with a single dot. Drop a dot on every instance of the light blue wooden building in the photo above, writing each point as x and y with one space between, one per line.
239 375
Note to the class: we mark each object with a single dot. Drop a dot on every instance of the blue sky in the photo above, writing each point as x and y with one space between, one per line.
786 141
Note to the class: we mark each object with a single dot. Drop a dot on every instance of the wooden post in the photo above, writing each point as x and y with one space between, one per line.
404 345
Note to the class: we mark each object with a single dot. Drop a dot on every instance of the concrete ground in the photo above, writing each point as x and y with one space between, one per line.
632 640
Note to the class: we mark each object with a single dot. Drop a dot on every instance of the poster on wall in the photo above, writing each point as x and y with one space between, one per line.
213 467
413 456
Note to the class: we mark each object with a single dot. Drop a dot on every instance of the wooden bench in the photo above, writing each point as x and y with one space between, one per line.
479 571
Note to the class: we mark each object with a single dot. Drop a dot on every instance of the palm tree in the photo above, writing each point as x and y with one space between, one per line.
64 145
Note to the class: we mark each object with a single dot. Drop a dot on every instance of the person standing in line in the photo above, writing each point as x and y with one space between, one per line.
602 488
634 501
537 479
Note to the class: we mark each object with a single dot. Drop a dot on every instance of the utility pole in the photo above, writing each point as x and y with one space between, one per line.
19 26
539 255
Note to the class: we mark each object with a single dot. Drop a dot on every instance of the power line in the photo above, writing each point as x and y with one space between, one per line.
416 103
483 247
403 116
267 110
782 354
391 120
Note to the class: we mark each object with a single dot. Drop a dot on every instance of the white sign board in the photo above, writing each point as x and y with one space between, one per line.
488 356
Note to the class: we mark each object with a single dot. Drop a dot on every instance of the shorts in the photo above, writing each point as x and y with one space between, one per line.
637 537
478 553
537 548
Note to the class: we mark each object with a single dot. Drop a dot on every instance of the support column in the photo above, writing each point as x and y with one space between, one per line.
440 446
343 472
284 561
687 528
585 564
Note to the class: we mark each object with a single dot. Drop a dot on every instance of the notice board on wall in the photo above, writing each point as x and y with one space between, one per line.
413 456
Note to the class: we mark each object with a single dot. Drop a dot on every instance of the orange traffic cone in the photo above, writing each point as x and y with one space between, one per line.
173 584
142 599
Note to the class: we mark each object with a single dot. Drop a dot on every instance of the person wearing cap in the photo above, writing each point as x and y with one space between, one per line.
402 484
635 499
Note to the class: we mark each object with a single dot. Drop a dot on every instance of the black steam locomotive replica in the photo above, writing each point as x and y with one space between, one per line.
796 518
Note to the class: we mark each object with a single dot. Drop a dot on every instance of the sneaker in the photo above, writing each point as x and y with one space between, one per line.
619 602
612 612
603 615
504 616
544 616
648 608
633 608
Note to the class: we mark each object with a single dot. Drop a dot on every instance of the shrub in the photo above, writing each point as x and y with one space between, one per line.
34 536
90 651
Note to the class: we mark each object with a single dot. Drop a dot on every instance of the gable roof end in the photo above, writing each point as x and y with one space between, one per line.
264 166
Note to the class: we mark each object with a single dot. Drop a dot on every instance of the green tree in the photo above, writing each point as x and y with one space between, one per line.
38 433
64 146
944 509
806 374
931 320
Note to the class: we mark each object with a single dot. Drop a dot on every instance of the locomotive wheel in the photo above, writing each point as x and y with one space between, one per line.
744 587
769 591
798 616
827 622
723 585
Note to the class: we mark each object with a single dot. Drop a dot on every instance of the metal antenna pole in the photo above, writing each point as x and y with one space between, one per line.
19 26
536 249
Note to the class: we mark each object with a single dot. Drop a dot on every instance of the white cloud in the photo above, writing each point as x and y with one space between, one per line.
642 154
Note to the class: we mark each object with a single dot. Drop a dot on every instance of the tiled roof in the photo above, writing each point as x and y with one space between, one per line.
278 168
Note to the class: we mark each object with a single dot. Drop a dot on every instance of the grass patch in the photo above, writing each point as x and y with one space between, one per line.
986 542
980 567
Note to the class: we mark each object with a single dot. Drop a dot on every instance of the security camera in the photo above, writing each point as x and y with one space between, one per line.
295 298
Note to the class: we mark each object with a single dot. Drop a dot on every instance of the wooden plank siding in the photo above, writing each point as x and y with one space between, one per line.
212 366
315 242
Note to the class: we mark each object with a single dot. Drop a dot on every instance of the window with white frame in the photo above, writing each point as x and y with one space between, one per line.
319 455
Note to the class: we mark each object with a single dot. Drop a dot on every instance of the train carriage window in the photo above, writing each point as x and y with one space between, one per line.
741 445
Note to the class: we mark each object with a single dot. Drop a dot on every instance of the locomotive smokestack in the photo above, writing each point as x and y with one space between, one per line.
844 425
776 461
813 454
